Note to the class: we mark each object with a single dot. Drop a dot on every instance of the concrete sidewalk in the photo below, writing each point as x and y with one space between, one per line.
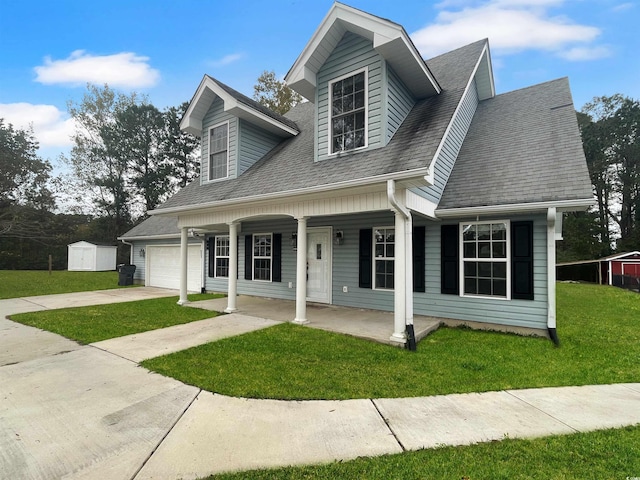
71 411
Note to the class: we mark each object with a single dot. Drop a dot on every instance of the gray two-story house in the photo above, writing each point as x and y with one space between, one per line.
401 185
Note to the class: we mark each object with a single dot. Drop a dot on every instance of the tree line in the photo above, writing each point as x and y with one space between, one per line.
128 157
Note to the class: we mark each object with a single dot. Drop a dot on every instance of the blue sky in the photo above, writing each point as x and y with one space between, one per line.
162 48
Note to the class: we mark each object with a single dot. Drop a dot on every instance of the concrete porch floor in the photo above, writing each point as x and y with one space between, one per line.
372 325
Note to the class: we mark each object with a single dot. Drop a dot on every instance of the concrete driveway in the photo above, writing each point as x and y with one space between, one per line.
82 412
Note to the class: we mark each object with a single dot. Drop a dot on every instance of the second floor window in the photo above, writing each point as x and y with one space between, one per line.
218 146
348 113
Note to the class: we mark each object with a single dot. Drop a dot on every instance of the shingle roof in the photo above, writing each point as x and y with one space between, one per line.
290 166
522 147
154 226
255 105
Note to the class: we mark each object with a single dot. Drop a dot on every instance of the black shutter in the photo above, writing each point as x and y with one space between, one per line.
211 246
418 259
276 258
522 260
366 245
449 260
248 257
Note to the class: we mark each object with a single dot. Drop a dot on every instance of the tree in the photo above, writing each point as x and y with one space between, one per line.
275 94
23 184
180 148
610 128
99 168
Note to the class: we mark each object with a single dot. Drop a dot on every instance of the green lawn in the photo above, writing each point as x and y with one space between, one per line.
602 455
28 283
100 322
599 330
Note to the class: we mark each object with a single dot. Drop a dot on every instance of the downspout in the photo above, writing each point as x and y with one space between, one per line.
551 275
404 300
130 251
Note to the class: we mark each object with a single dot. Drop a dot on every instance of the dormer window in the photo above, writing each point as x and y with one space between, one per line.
218 151
348 112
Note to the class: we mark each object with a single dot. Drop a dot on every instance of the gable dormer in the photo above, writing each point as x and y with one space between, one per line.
235 131
364 75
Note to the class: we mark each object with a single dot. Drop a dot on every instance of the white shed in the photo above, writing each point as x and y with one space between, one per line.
91 257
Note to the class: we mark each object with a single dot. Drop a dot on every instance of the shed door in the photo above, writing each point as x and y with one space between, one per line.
163 267
82 258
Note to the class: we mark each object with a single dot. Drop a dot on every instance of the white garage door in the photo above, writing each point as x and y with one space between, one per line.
163 267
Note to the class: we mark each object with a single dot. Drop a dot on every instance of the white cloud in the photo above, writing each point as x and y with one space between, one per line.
623 7
51 126
577 54
226 60
511 26
125 69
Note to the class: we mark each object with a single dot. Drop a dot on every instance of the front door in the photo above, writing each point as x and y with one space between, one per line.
319 264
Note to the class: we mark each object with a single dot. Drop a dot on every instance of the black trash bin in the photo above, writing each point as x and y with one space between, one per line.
125 274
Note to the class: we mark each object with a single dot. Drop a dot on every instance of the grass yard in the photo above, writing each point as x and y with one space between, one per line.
599 330
100 322
28 283
603 455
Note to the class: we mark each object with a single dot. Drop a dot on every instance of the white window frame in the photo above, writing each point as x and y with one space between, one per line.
255 257
506 259
382 258
217 256
213 127
366 112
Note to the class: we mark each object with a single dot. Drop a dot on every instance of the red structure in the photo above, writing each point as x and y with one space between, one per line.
619 270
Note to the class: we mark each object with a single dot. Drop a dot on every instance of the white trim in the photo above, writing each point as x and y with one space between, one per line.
560 205
260 257
215 255
213 127
416 173
329 276
330 83
506 260
374 258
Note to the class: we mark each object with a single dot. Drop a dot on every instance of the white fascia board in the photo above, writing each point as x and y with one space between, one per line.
150 237
265 121
516 208
432 164
419 172
421 205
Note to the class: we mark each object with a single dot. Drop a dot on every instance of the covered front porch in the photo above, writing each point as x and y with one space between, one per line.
358 322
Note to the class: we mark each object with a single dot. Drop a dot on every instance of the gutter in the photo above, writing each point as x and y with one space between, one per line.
560 205
361 182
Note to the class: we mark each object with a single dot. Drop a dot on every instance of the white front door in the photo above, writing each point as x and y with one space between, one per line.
319 264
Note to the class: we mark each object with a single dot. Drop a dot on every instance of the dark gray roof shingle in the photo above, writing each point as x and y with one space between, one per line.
290 166
153 226
522 147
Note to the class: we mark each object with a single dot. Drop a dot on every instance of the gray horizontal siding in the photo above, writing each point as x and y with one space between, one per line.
215 116
253 144
352 53
400 103
522 313
451 146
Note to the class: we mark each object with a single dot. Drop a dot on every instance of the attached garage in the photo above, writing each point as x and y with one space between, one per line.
163 267
91 257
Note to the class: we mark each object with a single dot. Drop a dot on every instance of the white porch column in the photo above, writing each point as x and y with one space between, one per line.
232 293
408 255
184 250
301 273
400 280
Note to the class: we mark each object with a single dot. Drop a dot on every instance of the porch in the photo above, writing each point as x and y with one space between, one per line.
372 325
